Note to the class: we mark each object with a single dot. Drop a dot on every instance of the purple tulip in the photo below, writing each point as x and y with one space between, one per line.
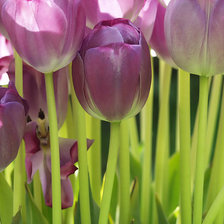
194 34
35 92
112 73
97 10
38 157
13 111
46 34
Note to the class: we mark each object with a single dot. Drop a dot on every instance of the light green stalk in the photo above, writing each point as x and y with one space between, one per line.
185 146
199 172
19 165
54 143
162 143
110 172
82 153
124 183
146 167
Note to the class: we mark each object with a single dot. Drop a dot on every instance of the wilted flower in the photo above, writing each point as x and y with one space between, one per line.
46 33
38 157
112 73
194 35
13 111
98 10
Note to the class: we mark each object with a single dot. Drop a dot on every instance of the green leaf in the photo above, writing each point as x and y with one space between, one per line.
6 198
135 202
161 215
173 183
17 219
114 198
34 216
172 219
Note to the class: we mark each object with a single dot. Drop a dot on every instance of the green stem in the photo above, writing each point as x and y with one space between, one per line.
37 190
217 179
134 137
82 153
212 115
185 146
215 208
94 156
124 174
19 167
162 143
146 170
110 173
55 160
199 172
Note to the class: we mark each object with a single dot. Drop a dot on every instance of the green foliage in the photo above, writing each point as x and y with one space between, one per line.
6 198
34 215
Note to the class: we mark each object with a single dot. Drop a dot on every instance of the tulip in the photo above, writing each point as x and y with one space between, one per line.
38 157
35 94
13 111
146 18
194 36
46 34
112 72
97 10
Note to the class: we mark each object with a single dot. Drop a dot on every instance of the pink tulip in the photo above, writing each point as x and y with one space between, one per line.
194 34
13 111
97 10
112 73
46 33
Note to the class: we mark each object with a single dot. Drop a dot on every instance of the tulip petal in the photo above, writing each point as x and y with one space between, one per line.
12 125
107 71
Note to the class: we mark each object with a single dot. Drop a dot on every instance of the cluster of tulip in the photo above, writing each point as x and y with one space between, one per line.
95 55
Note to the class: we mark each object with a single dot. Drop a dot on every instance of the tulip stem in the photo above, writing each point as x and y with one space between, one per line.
134 137
124 174
212 115
82 154
94 157
199 171
19 168
37 190
147 158
55 160
162 143
185 146
216 178
110 172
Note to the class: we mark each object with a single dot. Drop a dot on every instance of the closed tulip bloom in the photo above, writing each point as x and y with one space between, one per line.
194 34
13 111
46 33
112 72
97 10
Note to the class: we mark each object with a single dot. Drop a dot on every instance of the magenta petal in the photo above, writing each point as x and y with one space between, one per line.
12 124
146 18
34 154
66 188
35 93
158 40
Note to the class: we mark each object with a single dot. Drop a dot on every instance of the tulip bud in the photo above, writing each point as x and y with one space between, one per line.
46 34
194 34
112 73
13 111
